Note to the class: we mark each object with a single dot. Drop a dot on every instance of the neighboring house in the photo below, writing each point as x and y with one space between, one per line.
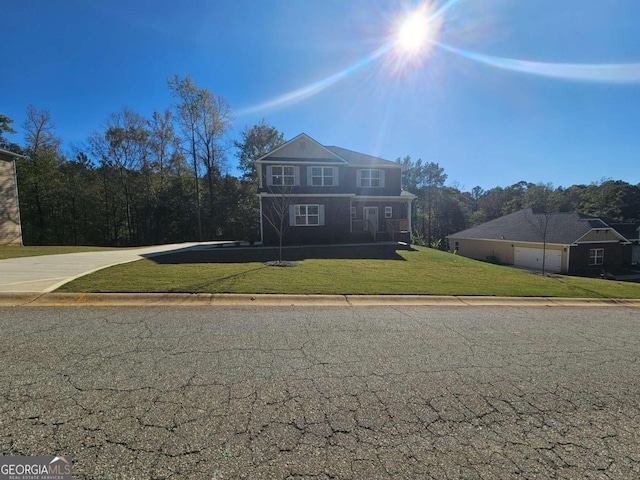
573 243
630 231
331 195
10 230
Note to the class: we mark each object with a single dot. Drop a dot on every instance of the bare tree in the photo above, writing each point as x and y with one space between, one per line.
204 118
541 223
43 157
123 149
276 212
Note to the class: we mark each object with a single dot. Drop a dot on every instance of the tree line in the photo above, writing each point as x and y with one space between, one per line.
148 180
138 180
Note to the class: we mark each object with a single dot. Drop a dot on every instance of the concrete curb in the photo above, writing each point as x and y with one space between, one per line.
206 299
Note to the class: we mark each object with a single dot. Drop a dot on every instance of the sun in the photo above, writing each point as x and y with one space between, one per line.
413 33
416 31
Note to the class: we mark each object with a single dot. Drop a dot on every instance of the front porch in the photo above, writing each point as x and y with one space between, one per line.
394 230
381 219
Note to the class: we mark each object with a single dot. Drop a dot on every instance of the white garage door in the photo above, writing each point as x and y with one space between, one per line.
532 258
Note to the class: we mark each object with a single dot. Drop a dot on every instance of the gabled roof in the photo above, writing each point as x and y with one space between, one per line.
325 154
527 226
357 159
630 231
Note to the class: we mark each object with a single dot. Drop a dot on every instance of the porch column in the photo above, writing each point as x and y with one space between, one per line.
261 227
409 218
350 217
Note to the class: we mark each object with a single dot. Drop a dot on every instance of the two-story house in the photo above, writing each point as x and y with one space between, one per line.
317 194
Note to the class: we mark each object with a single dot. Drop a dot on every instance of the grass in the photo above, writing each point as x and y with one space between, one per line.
340 270
16 251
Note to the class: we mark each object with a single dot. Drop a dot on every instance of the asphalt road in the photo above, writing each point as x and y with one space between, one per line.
332 392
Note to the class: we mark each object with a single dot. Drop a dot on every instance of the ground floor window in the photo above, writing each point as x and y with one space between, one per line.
388 212
596 256
306 215
353 212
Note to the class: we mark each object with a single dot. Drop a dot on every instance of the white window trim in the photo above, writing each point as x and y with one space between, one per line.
354 213
596 256
296 212
388 212
323 176
271 176
369 178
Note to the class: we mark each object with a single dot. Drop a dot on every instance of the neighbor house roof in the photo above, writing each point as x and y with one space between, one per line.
9 155
631 231
527 226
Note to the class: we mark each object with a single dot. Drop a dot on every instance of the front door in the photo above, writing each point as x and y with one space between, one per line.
371 218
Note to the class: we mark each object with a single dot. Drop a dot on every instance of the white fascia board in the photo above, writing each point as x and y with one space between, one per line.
624 242
309 163
516 243
328 195
11 154
361 166
408 195
394 198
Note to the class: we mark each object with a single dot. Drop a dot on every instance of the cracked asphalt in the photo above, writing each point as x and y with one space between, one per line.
331 392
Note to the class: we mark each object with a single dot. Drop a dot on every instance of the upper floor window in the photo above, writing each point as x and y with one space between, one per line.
596 256
370 178
322 177
282 175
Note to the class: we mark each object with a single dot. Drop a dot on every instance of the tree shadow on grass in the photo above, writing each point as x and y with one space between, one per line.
267 254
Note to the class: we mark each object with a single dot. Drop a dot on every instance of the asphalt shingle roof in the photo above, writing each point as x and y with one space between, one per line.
361 159
527 226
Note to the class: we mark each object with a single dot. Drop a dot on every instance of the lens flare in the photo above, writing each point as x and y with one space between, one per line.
585 72
412 40
314 88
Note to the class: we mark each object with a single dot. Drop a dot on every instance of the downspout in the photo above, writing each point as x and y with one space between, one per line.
409 215
350 216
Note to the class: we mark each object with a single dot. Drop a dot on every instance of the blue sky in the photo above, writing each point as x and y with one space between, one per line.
568 114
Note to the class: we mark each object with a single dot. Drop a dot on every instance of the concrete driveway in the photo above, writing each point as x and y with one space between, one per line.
45 273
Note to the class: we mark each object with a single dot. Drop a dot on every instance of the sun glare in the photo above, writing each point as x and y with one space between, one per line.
414 36
416 31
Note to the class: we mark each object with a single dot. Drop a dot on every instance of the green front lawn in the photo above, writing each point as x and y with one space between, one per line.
339 270
16 251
